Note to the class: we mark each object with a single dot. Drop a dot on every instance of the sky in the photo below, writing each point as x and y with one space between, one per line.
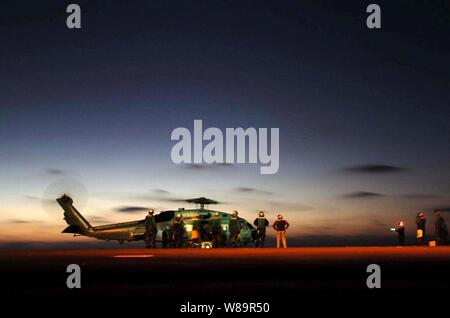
363 114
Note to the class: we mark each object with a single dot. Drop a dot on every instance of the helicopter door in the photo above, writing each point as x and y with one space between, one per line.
205 235
246 232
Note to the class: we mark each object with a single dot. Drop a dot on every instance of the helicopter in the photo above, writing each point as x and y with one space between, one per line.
135 230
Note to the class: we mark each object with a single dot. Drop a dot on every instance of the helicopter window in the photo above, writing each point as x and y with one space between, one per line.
205 215
244 225
164 216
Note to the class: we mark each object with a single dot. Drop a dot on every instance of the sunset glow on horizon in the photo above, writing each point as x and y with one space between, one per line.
362 117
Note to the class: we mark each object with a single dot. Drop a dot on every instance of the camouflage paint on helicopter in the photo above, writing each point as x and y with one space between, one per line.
135 231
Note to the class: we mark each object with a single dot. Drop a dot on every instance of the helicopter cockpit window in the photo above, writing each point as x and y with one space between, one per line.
165 216
205 216
244 225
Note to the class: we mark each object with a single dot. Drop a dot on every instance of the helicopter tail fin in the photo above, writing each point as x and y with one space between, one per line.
77 223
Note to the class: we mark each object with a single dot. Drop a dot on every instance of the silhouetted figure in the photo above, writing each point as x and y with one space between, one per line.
421 223
440 229
151 230
166 237
216 230
281 226
400 229
261 223
178 231
235 229
196 229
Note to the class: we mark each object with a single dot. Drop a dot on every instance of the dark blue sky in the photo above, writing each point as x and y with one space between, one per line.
102 101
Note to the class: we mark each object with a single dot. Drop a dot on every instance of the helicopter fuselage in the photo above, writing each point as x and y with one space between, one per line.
135 230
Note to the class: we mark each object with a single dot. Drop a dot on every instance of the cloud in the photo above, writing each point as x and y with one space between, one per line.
422 196
194 166
160 191
375 169
197 166
19 221
251 190
361 195
55 172
131 209
150 196
39 199
224 164
32 197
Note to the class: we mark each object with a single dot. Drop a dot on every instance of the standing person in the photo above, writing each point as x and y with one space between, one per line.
151 229
281 225
165 236
421 223
178 231
400 229
235 229
261 223
440 228
196 225
216 230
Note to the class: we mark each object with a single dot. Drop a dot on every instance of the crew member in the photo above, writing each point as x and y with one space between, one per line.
178 231
400 229
166 236
216 230
235 229
421 222
196 227
440 228
281 225
151 229
261 223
